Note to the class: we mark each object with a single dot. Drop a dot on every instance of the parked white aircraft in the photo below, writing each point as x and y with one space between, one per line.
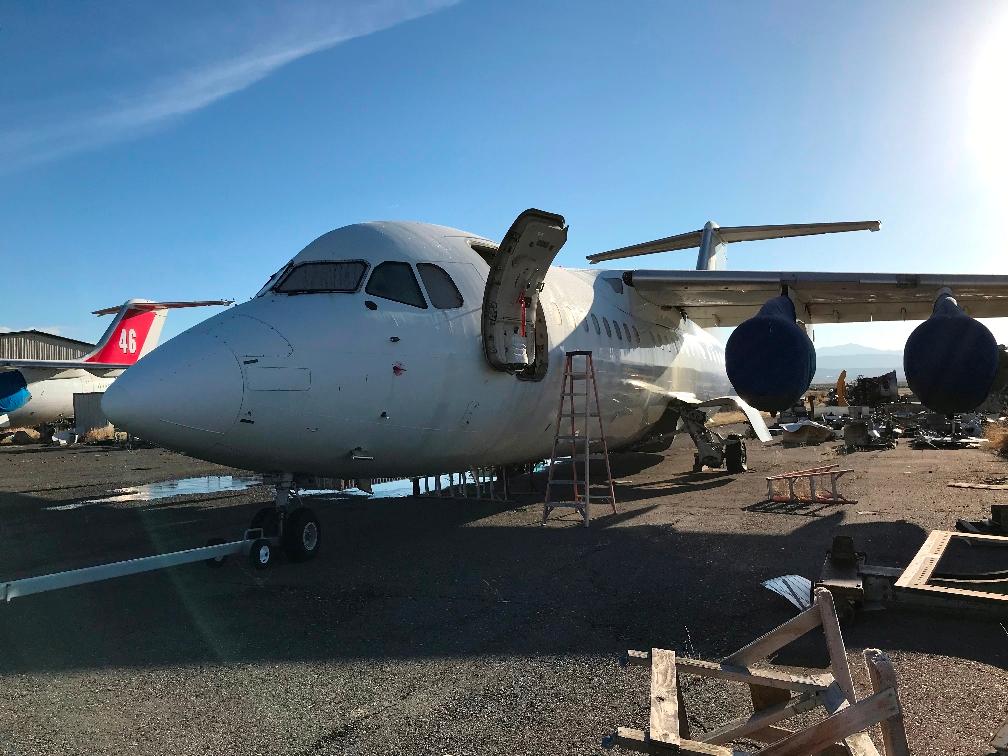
35 392
407 349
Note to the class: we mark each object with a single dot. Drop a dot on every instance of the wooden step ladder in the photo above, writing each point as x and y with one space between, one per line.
573 433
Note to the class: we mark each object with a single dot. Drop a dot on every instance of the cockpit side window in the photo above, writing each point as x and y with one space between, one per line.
317 277
397 282
443 292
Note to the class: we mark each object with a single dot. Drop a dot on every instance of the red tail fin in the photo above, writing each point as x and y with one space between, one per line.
124 342
136 329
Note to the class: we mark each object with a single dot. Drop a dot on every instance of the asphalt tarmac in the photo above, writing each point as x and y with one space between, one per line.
436 626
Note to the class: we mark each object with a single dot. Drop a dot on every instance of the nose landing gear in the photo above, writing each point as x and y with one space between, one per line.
287 525
260 553
302 536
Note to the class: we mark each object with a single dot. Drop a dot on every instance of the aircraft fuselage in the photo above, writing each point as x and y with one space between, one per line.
50 395
355 385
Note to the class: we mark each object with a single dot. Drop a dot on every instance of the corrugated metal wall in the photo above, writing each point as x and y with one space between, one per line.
39 346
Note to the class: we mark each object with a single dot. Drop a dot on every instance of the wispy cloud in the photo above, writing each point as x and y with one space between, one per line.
214 63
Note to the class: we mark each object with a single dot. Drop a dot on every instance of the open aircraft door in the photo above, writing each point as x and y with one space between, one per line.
514 329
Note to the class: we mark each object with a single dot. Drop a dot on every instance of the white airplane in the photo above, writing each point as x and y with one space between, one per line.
407 349
36 392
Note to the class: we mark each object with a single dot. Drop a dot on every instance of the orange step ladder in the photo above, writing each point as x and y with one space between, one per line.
573 432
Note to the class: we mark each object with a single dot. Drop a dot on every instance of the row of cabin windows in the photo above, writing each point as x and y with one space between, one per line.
635 338
394 281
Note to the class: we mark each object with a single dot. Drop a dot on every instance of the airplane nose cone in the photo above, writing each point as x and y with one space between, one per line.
187 391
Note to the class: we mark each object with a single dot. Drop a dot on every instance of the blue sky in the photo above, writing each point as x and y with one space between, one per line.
187 150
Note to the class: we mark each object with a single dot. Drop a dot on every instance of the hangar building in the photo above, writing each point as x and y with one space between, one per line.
39 345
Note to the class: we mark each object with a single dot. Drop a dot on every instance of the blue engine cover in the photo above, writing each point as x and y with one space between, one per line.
950 360
14 392
769 358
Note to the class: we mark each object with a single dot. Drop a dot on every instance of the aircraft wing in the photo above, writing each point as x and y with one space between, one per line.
728 297
93 367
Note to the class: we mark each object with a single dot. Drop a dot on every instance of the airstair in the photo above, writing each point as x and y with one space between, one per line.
513 324
577 415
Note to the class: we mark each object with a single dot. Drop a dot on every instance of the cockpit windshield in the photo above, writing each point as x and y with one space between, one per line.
317 277
396 282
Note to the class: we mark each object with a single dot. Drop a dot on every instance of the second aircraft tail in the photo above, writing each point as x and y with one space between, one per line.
136 329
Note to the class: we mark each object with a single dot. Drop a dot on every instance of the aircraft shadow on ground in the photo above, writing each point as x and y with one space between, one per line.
645 491
624 464
629 464
404 578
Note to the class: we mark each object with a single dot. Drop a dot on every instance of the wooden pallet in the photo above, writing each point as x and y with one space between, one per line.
777 694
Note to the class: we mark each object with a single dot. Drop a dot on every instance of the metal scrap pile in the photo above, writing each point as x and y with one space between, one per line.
934 431
805 433
871 392
865 435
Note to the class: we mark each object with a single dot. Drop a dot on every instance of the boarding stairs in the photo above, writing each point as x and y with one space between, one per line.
575 446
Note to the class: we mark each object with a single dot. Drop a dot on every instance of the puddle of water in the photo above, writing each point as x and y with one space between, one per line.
210 484
391 490
68 507
207 484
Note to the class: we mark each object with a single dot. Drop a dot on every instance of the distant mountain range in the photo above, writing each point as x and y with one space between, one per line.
857 360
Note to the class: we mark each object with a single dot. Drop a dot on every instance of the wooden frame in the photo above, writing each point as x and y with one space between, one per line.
916 578
778 694
855 583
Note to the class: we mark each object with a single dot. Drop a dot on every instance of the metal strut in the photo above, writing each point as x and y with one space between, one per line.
255 543
713 449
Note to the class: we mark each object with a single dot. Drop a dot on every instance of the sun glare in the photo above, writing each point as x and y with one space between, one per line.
988 119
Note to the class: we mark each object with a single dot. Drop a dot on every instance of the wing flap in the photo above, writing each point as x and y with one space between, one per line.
752 414
726 298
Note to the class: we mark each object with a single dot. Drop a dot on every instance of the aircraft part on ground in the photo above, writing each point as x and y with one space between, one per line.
769 358
793 588
14 392
950 359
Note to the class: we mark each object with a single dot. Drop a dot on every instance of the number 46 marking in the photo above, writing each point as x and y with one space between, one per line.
127 341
